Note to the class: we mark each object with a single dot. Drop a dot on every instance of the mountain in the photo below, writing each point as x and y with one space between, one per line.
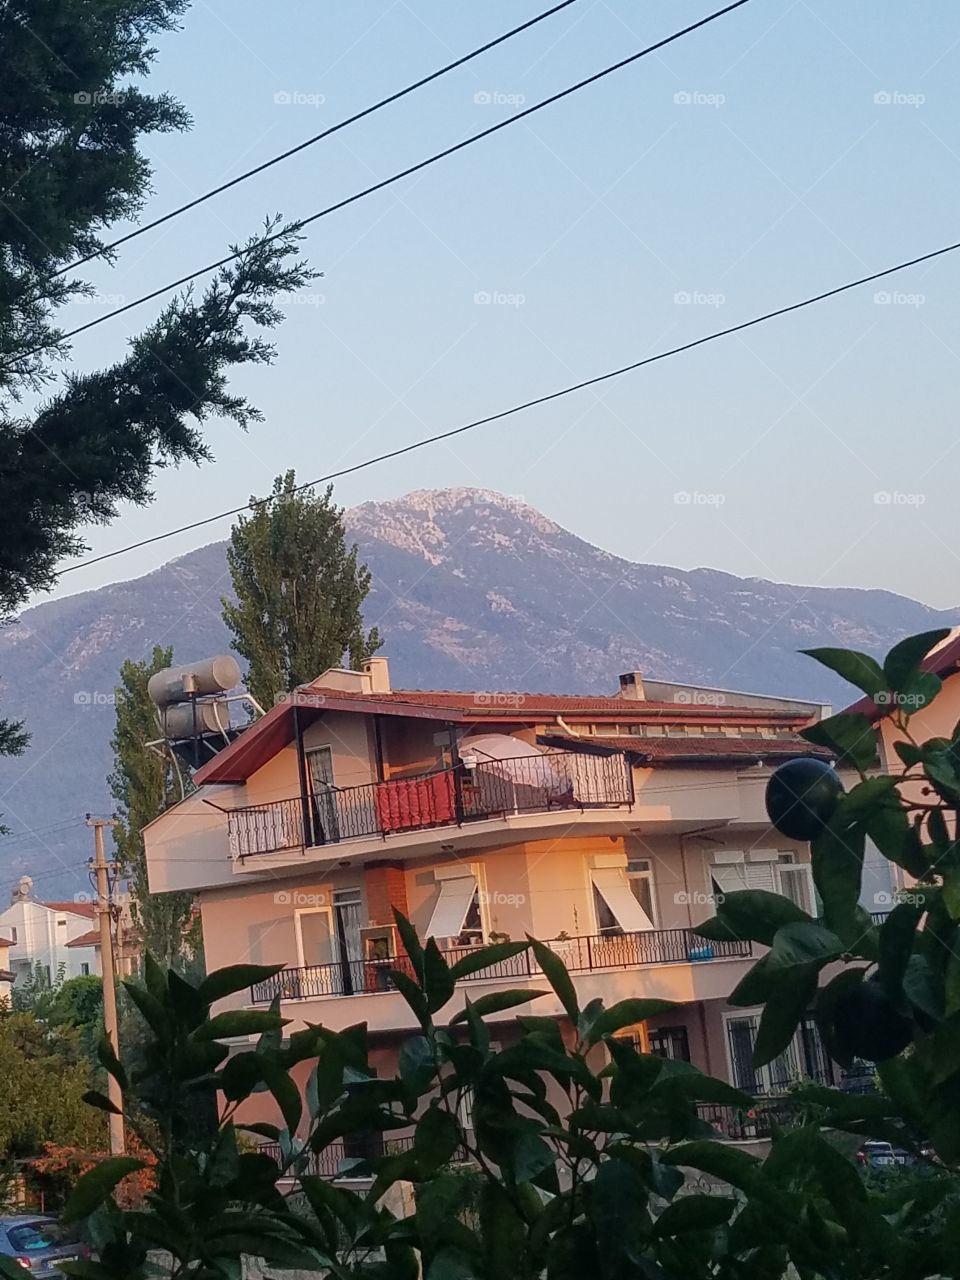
472 589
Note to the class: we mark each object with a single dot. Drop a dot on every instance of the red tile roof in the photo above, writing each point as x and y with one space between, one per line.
91 939
269 735
87 909
697 750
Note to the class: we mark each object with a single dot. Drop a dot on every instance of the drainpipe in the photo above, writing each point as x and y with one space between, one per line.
573 733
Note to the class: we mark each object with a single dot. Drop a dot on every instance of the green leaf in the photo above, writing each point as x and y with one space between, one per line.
803 943
626 1013
438 981
486 958
897 935
837 859
233 978
110 1062
239 1022
436 1139
758 985
96 1185
754 914
150 1009
285 1093
101 1102
904 658
858 668
851 735
497 1001
782 1016
412 994
411 943
739 1168
555 971
694 1213
823 1011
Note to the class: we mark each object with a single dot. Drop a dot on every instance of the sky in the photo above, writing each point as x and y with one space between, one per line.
783 149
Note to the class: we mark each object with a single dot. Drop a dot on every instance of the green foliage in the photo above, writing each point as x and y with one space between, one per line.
44 1078
299 591
73 113
144 783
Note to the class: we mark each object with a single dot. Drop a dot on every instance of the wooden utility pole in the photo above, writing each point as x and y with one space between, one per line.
110 1021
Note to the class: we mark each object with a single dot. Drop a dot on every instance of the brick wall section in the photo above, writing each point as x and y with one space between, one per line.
386 887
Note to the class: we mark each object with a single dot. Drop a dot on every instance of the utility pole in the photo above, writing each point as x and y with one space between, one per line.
110 1021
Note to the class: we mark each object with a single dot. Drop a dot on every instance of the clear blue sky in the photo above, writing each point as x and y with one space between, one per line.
783 175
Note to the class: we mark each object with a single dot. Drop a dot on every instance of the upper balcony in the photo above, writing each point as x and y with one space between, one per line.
542 783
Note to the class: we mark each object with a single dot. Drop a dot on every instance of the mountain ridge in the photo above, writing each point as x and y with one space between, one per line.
473 590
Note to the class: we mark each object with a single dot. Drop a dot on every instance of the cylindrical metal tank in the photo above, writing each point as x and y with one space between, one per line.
213 716
212 675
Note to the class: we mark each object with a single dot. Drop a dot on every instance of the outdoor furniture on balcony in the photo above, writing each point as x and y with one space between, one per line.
580 955
539 783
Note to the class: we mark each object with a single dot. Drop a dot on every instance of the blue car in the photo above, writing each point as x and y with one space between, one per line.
39 1245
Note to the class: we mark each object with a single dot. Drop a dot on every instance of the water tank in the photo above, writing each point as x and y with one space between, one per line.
211 717
212 675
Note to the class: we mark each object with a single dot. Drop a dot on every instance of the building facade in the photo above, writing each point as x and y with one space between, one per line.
42 933
604 826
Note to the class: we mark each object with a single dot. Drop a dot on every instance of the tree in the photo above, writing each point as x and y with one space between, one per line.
299 591
42 1098
72 114
145 782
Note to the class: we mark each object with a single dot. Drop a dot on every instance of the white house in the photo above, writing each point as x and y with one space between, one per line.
40 933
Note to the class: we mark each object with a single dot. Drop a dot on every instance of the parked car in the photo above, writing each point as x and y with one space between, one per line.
39 1244
877 1155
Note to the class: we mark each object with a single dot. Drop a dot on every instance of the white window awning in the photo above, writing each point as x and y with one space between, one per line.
450 911
612 886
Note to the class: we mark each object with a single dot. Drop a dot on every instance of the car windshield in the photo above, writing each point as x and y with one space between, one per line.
28 1237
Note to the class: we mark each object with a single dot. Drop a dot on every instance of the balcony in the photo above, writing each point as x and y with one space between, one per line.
586 954
554 782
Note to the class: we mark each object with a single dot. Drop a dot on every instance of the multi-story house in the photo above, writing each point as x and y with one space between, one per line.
42 935
602 825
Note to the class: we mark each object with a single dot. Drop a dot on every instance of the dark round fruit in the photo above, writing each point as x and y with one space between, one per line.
867 1025
801 795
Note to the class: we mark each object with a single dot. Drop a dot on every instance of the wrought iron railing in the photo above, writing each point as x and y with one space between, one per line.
541 783
339 1159
580 955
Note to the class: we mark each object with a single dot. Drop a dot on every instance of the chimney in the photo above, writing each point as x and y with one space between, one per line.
631 686
378 671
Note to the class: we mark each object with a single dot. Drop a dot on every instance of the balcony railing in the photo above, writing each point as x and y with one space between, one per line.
580 955
541 783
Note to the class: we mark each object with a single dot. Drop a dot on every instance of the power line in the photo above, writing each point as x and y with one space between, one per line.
529 404
396 177
317 137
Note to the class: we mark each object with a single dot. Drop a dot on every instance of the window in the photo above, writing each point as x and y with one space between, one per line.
733 871
617 908
84 970
456 913
670 1042
640 879
61 924
803 1059
13 934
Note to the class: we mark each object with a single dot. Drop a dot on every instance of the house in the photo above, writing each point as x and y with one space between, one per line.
41 933
603 825
7 976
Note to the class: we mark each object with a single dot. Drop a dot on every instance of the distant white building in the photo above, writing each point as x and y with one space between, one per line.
41 933
6 974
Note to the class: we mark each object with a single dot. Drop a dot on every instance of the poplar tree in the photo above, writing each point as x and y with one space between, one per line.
145 782
299 591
